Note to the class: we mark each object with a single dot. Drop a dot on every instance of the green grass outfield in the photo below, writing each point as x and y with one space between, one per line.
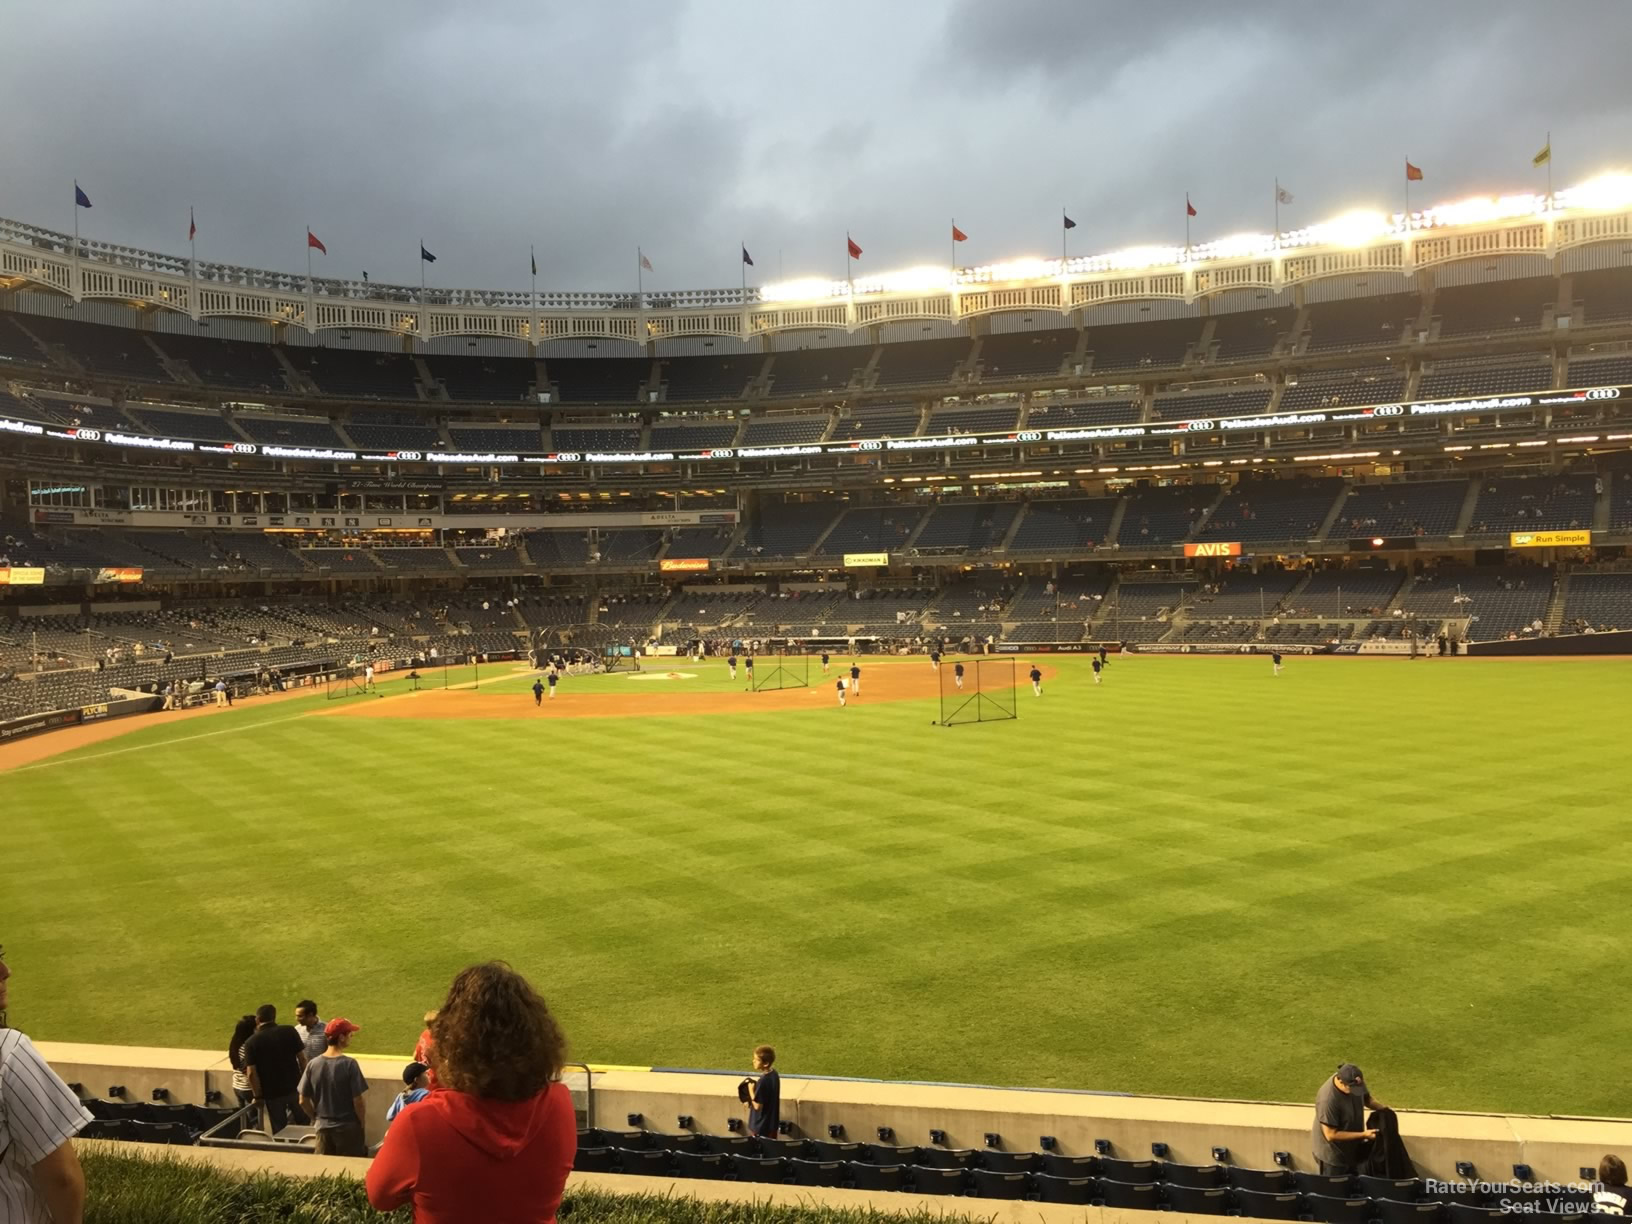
1197 878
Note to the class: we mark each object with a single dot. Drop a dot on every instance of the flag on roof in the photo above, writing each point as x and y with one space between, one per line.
855 251
1546 154
1282 195
424 255
80 198
534 256
1413 174
1189 208
192 226
312 240
1069 224
747 258
644 262
957 234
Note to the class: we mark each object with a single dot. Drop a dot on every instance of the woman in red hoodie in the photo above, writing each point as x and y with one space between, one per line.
495 1142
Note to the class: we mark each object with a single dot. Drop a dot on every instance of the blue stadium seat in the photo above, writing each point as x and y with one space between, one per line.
875 1176
987 1183
1198 1200
1329 1209
710 1165
927 1179
1135 1196
1266 1205
817 1172
1077 1190
1135 1172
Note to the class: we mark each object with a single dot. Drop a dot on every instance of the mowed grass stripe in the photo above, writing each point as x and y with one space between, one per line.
1192 864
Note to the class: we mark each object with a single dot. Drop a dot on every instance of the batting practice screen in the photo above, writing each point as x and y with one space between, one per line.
781 671
984 693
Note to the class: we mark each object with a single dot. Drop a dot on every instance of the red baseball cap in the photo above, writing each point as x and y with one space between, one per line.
339 1025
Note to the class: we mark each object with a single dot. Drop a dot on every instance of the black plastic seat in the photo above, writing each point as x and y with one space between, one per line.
729 1145
160 1132
1262 1181
888 1154
1470 1213
835 1149
157 1111
865 1176
1007 1162
946 1158
758 1168
1136 1196
1267 1205
708 1165
110 1110
817 1172
927 1179
1399 1211
684 1141
1329 1185
989 1183
1329 1209
1467 1193
1056 1165
773 1145
1076 1190
1133 1172
632 1140
595 1160
109 1128
648 1162
1202 1176
1399 1189
1198 1200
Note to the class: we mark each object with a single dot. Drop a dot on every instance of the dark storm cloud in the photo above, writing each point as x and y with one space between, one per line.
686 129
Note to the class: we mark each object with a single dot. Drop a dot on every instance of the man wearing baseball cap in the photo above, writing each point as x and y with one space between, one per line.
1340 1139
331 1091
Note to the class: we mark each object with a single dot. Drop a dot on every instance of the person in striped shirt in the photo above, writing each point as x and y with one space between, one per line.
41 1181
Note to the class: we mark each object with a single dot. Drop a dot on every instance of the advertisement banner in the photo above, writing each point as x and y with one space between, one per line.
119 574
853 560
1214 548
22 575
1549 539
671 565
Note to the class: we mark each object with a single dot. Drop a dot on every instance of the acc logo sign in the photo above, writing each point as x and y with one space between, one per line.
1604 393
1029 436
1388 410
88 435
244 448
1193 425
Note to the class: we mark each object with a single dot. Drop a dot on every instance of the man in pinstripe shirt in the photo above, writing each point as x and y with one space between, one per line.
40 1178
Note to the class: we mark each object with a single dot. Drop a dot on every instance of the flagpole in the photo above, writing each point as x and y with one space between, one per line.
532 262
1549 171
742 246
1064 235
1408 193
640 280
1187 225
311 290
192 246
1277 210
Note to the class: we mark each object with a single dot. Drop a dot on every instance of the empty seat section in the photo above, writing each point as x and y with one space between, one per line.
708 378
817 371
1494 308
1368 322
354 372
1273 510
973 418
505 438
392 431
119 352
1132 346
885 421
200 426
1079 414
483 379
1064 526
1250 333
1486 376
707 435
1348 388
598 380
786 430
1030 354
1194 406
617 439
1430 509
918 363
972 527
788 530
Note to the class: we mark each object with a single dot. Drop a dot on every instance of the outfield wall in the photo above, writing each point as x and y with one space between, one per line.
1556 1148
1611 643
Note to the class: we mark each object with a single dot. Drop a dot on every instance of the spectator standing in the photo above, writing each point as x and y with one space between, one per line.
311 1029
241 1033
416 1087
496 1140
275 1056
1339 1136
765 1094
41 1181
331 1091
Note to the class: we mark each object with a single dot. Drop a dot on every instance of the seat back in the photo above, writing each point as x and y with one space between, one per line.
1198 1200
757 1168
1007 1162
864 1176
1331 1185
740 1145
1267 1204
772 1145
946 1158
630 1140
1329 1209
1470 1213
1396 1211
685 1141
1078 1190
927 1179
1204 1176
835 1149
816 1172
1135 1172
1136 1196
989 1183
1056 1165
701 1164
1264 1181
595 1160
648 1162
1399 1189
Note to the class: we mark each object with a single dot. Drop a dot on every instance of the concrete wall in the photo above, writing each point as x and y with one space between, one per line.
1556 1148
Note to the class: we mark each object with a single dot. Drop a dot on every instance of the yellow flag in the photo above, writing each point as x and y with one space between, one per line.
1545 156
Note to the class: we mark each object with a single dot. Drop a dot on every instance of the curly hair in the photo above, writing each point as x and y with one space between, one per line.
495 1037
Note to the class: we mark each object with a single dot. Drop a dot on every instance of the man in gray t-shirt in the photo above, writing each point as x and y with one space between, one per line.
331 1091
1339 1138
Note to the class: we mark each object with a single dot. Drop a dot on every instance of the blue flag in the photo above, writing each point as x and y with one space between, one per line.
747 258
1069 224
80 198
426 255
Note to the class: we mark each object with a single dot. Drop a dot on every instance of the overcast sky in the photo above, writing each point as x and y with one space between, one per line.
587 128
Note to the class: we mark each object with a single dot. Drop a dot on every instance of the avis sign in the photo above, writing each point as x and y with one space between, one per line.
1214 548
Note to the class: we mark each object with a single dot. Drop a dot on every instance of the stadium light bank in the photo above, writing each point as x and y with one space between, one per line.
1356 228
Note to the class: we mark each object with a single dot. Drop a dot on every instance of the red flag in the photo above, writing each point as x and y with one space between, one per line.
1189 208
192 226
312 241
958 235
1413 174
855 251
